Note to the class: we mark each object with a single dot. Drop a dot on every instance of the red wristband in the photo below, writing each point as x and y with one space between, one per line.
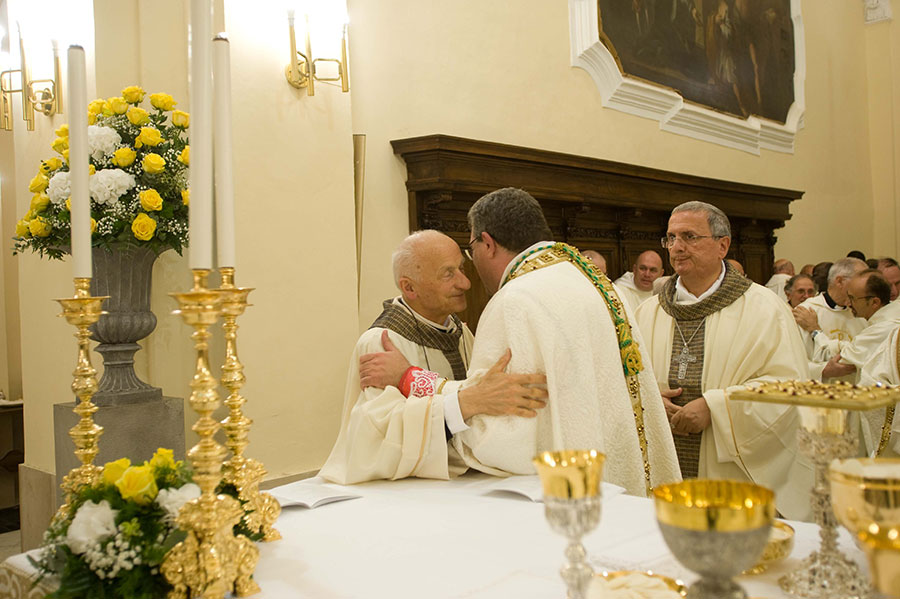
417 382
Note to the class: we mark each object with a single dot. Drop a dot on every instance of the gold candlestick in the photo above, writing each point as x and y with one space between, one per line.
82 311
242 472
211 561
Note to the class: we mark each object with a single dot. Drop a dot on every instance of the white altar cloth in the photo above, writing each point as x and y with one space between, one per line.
418 538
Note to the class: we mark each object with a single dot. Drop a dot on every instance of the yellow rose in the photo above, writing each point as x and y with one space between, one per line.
118 105
92 118
51 164
138 483
143 227
95 107
69 204
124 157
39 227
186 197
65 154
133 94
153 163
162 101
39 183
137 116
63 131
38 202
22 228
185 156
91 169
163 458
93 226
151 200
150 136
107 109
59 144
28 215
181 119
112 471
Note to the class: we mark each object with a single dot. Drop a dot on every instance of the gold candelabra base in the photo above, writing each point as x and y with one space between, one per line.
245 474
82 310
211 561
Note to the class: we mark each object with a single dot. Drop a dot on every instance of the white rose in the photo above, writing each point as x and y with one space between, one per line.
171 500
59 188
93 522
102 141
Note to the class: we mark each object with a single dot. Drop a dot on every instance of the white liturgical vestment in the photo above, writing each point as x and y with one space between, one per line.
753 339
628 291
857 352
776 284
383 434
838 324
556 322
882 367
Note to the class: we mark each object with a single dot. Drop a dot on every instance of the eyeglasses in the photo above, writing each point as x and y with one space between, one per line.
853 299
468 249
686 238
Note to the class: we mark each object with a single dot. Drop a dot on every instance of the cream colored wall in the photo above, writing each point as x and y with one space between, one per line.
499 71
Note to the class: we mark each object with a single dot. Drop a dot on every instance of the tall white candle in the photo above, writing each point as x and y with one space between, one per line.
201 136
78 163
223 155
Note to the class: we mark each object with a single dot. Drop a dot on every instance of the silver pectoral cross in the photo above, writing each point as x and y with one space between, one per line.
684 358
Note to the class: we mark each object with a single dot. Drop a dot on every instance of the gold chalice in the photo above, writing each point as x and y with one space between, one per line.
716 528
572 502
865 494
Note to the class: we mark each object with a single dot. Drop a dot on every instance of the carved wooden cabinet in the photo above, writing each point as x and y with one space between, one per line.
617 209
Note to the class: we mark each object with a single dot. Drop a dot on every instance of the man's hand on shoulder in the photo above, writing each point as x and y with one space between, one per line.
806 318
382 369
835 368
693 417
501 394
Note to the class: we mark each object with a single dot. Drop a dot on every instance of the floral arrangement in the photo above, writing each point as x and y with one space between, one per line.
118 531
139 163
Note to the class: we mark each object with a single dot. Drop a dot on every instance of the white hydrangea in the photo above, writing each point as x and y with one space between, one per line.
102 141
92 522
59 189
171 500
108 185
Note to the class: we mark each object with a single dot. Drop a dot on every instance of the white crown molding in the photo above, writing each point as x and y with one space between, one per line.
662 104
878 10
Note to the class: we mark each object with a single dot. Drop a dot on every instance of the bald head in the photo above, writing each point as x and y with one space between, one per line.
408 257
597 258
737 266
428 270
646 269
784 266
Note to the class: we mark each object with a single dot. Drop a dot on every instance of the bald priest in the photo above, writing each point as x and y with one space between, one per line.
383 434
711 329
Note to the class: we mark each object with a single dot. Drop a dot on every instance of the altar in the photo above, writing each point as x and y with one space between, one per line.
417 538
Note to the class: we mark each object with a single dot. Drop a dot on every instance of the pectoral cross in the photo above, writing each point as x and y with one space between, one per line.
684 358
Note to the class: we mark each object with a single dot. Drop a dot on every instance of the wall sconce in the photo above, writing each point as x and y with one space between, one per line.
301 71
46 99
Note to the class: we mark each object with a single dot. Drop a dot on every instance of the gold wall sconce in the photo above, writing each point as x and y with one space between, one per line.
42 95
301 71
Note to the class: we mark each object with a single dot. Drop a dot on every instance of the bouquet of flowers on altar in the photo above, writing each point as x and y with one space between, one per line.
138 179
117 533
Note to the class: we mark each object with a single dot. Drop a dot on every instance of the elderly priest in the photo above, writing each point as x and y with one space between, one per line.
711 329
385 435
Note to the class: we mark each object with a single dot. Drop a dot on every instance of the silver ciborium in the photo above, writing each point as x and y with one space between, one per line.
716 528
571 481
865 494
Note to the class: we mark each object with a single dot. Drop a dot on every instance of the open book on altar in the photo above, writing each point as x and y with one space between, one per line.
530 487
311 493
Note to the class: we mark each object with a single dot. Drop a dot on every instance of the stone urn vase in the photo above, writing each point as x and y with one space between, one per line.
124 273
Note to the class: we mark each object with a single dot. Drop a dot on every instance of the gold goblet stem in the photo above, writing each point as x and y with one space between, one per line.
82 310
211 561
242 472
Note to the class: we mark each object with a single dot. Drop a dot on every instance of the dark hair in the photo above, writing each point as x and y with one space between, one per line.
789 286
512 217
857 254
872 262
820 274
877 285
885 262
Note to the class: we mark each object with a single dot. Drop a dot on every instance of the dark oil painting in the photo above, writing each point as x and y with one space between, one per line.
734 56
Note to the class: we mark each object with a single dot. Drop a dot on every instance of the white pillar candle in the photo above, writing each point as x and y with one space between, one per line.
223 156
78 164
201 136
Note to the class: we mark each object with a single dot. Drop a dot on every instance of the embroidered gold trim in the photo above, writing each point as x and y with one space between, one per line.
888 413
628 347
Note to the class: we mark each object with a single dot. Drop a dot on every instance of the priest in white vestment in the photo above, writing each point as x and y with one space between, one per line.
383 433
883 366
710 330
636 285
827 318
784 270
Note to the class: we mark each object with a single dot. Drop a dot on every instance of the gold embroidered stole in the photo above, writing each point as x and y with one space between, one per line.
888 413
628 347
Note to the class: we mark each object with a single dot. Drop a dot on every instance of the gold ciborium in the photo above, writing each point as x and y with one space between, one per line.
865 494
716 528
572 501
